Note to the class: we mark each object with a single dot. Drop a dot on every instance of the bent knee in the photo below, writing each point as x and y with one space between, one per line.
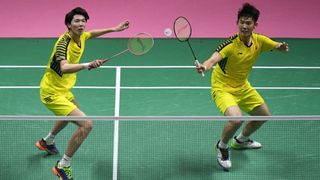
87 126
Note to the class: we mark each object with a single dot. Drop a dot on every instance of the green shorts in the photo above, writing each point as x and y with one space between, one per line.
246 97
59 104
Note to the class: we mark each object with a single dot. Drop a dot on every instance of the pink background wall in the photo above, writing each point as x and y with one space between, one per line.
209 18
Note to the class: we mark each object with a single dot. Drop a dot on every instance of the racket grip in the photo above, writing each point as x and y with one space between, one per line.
196 62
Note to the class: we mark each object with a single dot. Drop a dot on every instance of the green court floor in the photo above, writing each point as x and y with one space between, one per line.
160 150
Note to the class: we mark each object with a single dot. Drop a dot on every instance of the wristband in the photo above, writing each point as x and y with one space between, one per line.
85 65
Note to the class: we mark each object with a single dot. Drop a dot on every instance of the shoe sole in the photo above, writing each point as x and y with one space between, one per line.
235 147
56 173
38 145
225 169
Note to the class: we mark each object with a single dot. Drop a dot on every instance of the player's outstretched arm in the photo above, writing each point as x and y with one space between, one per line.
99 32
209 63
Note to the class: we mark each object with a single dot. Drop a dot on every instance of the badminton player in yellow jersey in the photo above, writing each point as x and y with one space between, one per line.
58 80
231 91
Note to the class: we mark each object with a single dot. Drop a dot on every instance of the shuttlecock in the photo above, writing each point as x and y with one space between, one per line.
167 32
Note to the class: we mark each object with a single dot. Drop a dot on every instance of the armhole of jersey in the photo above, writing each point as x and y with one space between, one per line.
63 45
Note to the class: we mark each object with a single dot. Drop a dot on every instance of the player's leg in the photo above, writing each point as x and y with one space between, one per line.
47 143
231 127
63 167
229 130
82 132
60 105
253 126
254 104
227 104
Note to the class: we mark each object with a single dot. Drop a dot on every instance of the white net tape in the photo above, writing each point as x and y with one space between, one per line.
163 118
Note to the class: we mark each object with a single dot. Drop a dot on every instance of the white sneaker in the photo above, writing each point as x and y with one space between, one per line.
249 144
223 158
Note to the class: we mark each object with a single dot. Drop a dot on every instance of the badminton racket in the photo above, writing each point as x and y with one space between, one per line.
138 45
182 30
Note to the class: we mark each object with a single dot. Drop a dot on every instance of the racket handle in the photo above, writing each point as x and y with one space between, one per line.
103 61
196 62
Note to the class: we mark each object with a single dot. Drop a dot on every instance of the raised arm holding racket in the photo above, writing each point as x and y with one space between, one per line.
182 30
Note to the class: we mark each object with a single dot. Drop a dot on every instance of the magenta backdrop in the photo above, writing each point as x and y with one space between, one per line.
209 18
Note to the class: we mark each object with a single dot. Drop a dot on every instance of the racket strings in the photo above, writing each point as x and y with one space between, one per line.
182 29
140 44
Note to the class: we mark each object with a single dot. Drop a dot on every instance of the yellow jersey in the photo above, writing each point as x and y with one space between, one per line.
237 60
54 81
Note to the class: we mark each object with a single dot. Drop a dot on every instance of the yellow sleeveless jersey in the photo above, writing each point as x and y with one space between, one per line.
54 81
237 60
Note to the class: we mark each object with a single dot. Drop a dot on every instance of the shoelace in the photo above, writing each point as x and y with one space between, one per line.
249 141
225 154
68 171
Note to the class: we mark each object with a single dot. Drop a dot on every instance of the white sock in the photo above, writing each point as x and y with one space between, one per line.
65 161
242 138
222 145
49 138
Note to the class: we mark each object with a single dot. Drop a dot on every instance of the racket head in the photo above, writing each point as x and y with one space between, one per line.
140 44
182 29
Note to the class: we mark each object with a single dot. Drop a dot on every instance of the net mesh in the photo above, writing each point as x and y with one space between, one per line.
161 149
182 29
140 44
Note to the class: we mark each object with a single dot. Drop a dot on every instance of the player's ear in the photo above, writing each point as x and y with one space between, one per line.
255 25
69 25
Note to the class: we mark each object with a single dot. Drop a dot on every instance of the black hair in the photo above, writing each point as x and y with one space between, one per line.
75 11
249 10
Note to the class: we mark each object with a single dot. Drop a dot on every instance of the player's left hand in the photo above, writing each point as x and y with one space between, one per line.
283 46
122 26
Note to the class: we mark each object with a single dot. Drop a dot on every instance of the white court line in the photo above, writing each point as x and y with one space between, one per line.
160 88
116 125
161 67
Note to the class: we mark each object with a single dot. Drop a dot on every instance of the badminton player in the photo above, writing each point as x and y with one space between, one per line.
58 80
231 90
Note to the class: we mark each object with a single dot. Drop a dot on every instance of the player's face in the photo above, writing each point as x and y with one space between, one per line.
246 25
78 24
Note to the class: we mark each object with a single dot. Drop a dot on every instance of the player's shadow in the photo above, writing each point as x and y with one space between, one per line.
35 159
207 165
238 158
196 165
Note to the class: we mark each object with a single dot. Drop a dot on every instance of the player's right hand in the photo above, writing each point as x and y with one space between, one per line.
200 68
95 64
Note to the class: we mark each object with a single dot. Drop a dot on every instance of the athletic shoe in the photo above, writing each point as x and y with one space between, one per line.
50 149
64 173
223 158
249 144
